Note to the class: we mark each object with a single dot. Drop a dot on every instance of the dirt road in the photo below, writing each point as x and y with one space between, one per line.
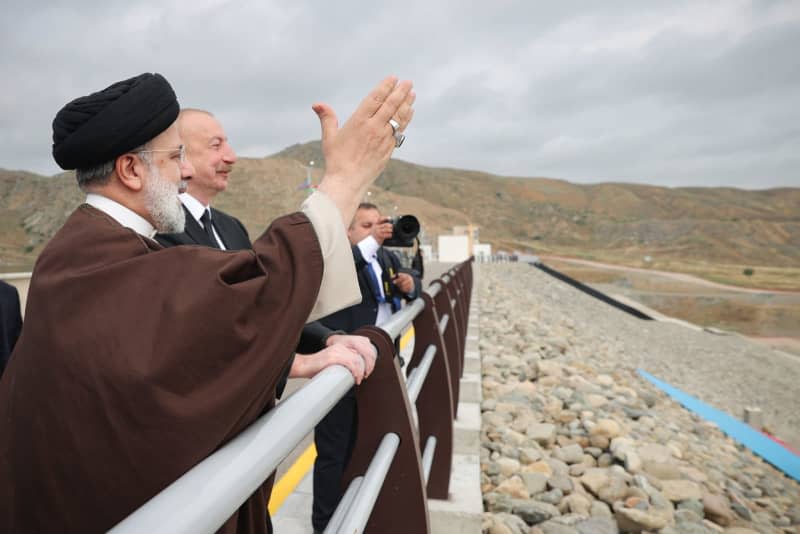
688 278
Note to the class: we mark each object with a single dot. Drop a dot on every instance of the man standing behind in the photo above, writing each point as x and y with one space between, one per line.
213 159
10 321
383 288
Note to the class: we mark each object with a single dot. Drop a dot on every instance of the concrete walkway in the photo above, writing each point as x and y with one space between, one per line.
462 512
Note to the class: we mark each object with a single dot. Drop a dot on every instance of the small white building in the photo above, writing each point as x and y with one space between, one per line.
453 248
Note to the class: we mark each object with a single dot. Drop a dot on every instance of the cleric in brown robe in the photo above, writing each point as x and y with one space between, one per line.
136 362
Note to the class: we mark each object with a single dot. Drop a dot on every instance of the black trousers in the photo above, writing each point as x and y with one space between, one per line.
334 438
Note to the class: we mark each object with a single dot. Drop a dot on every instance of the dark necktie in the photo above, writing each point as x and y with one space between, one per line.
374 283
206 220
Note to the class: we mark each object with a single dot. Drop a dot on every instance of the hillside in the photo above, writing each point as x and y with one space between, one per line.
712 232
686 229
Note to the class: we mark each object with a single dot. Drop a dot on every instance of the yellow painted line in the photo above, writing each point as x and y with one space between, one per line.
406 338
291 479
295 474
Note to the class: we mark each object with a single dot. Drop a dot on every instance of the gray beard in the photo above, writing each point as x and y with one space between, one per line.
162 203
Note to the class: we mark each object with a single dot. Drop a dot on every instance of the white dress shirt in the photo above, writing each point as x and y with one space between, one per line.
124 216
369 250
196 208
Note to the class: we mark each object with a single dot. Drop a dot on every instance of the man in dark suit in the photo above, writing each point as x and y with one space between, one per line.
384 285
213 158
10 321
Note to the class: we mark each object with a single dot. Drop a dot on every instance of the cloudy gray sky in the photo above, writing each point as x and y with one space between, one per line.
668 93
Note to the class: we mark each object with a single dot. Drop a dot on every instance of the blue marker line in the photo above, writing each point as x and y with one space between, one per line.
771 451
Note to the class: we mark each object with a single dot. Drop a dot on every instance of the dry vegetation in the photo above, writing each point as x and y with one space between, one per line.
771 317
715 233
784 278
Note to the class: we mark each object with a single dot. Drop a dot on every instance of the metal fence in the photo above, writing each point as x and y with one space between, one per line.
404 447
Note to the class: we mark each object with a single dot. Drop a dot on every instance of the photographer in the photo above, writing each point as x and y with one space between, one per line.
384 285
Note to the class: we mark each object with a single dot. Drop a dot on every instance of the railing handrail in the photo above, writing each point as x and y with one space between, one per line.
427 456
434 289
15 276
204 497
395 325
420 373
361 507
222 482
344 505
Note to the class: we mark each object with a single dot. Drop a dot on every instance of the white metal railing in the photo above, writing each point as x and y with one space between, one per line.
205 497
208 494
16 276
346 501
419 374
427 456
357 514
395 325
443 323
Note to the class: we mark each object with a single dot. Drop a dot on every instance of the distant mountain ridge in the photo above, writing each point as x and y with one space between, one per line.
616 219
612 221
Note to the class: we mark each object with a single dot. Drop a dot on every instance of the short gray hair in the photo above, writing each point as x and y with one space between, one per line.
100 174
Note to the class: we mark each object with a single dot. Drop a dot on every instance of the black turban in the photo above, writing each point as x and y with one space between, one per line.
97 128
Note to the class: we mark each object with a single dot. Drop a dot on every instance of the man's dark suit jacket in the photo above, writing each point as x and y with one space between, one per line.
10 322
230 229
235 237
365 313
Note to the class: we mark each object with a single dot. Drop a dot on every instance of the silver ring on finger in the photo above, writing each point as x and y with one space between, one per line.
398 139
395 126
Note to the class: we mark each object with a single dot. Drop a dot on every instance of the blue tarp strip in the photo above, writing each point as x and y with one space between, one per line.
771 451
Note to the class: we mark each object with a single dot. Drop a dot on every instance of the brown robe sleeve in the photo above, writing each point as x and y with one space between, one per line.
137 362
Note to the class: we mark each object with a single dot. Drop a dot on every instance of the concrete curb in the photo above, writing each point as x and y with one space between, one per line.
462 513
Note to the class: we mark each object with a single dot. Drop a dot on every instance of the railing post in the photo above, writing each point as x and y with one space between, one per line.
382 407
435 401
466 284
468 277
462 311
450 336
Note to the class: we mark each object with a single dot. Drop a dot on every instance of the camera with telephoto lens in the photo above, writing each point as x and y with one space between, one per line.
404 231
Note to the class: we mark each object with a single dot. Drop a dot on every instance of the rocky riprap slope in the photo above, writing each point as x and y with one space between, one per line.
573 440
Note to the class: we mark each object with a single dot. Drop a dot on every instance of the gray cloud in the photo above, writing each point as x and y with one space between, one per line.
679 93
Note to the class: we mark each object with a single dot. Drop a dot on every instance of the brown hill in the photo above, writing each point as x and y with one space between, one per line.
679 228
610 219
32 208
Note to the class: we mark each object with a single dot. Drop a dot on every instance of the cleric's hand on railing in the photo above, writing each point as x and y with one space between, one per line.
359 344
308 365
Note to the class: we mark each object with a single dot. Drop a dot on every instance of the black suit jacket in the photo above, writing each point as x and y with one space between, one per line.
234 236
230 229
365 312
10 322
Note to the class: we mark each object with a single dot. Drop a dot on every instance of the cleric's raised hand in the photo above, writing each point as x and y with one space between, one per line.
357 153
